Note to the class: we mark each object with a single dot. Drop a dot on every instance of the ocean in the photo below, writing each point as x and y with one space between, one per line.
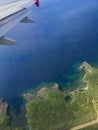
65 34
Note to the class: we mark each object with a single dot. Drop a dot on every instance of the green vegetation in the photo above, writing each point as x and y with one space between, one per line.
60 110
53 109
19 128
4 122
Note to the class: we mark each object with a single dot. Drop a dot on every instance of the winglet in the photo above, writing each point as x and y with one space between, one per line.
37 3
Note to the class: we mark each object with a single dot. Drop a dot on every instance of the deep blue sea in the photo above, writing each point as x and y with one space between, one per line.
65 33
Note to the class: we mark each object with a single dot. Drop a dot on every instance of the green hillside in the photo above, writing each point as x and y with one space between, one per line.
59 110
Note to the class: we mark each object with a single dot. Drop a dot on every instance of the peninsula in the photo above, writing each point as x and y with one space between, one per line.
53 109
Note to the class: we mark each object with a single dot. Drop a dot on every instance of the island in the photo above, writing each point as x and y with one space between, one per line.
53 109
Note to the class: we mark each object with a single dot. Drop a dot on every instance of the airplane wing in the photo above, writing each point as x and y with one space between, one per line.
11 14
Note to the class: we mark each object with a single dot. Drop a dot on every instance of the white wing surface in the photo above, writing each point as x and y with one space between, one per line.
11 14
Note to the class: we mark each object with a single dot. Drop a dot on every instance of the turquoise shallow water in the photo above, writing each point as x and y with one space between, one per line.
64 34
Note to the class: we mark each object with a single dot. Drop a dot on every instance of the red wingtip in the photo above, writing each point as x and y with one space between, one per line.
37 3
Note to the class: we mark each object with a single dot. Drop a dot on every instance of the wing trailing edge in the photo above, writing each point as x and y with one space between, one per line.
27 20
7 41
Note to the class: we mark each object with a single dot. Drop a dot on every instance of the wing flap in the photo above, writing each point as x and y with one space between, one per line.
27 20
7 41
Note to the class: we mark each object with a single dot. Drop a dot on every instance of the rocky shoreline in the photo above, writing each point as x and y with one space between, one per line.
41 94
3 107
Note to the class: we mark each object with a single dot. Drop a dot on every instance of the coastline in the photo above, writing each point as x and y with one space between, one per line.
49 97
44 95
